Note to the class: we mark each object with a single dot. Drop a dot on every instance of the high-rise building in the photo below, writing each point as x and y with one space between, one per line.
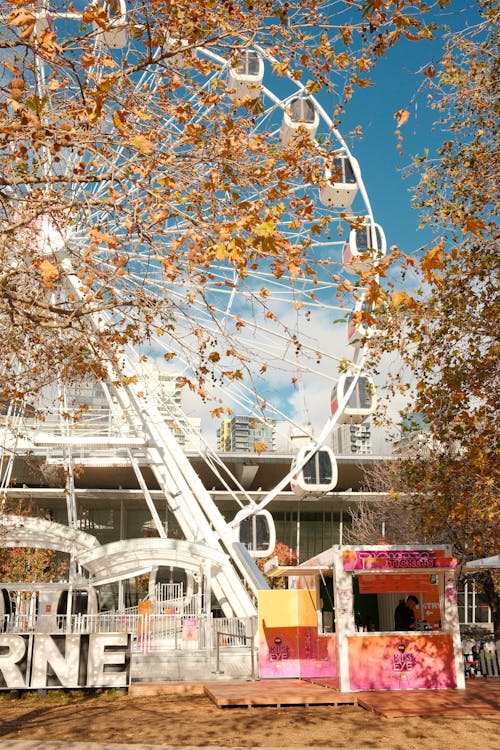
352 439
101 413
246 434
165 387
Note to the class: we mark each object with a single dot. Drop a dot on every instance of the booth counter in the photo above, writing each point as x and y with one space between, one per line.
336 620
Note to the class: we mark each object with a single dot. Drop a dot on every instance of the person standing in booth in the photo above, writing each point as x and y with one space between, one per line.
404 615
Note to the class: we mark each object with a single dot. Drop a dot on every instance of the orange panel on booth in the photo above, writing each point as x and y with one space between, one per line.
289 642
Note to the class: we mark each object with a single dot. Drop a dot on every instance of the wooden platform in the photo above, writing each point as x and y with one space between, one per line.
275 693
480 698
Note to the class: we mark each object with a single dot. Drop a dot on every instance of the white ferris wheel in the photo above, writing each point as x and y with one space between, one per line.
278 330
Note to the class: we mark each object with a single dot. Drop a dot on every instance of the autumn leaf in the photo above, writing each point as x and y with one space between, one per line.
16 88
401 117
266 228
120 121
25 20
346 286
402 298
53 85
143 144
474 226
259 447
429 71
48 45
49 273
432 260
97 15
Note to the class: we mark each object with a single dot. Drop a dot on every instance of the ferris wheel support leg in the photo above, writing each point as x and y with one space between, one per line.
149 500
206 513
227 587
195 510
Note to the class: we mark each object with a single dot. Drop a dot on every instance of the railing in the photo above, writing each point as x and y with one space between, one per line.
187 606
168 591
233 631
227 638
150 632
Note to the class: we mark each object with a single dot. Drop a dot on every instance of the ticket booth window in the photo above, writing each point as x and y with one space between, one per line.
376 597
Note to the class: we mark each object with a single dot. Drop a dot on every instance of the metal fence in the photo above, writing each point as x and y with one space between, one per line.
150 632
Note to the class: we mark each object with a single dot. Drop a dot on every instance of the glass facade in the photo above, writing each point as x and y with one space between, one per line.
307 532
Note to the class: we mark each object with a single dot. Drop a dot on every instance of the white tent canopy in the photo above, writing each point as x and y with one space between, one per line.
484 563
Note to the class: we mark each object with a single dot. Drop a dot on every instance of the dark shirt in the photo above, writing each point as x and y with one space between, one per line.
404 617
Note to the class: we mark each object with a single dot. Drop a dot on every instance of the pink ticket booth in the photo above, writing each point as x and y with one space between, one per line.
336 620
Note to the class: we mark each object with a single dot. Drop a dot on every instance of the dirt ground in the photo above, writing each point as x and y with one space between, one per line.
183 720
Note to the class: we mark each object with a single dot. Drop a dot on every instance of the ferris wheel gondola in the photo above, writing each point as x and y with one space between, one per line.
112 28
246 75
366 246
361 402
258 533
318 475
340 182
300 115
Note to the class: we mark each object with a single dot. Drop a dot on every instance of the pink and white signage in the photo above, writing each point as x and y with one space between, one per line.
394 559
393 662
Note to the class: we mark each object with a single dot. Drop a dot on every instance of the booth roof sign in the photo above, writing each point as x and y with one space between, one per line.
394 559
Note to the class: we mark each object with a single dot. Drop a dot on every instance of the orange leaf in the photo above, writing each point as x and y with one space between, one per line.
474 226
120 121
48 273
25 20
401 116
402 298
432 259
47 43
142 144
259 447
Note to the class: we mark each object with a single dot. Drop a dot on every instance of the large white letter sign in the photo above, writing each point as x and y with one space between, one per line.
13 651
40 660
50 662
107 664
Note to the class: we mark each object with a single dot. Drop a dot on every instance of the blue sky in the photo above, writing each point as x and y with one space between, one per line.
396 86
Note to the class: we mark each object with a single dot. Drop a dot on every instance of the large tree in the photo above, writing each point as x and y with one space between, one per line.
446 328
118 168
